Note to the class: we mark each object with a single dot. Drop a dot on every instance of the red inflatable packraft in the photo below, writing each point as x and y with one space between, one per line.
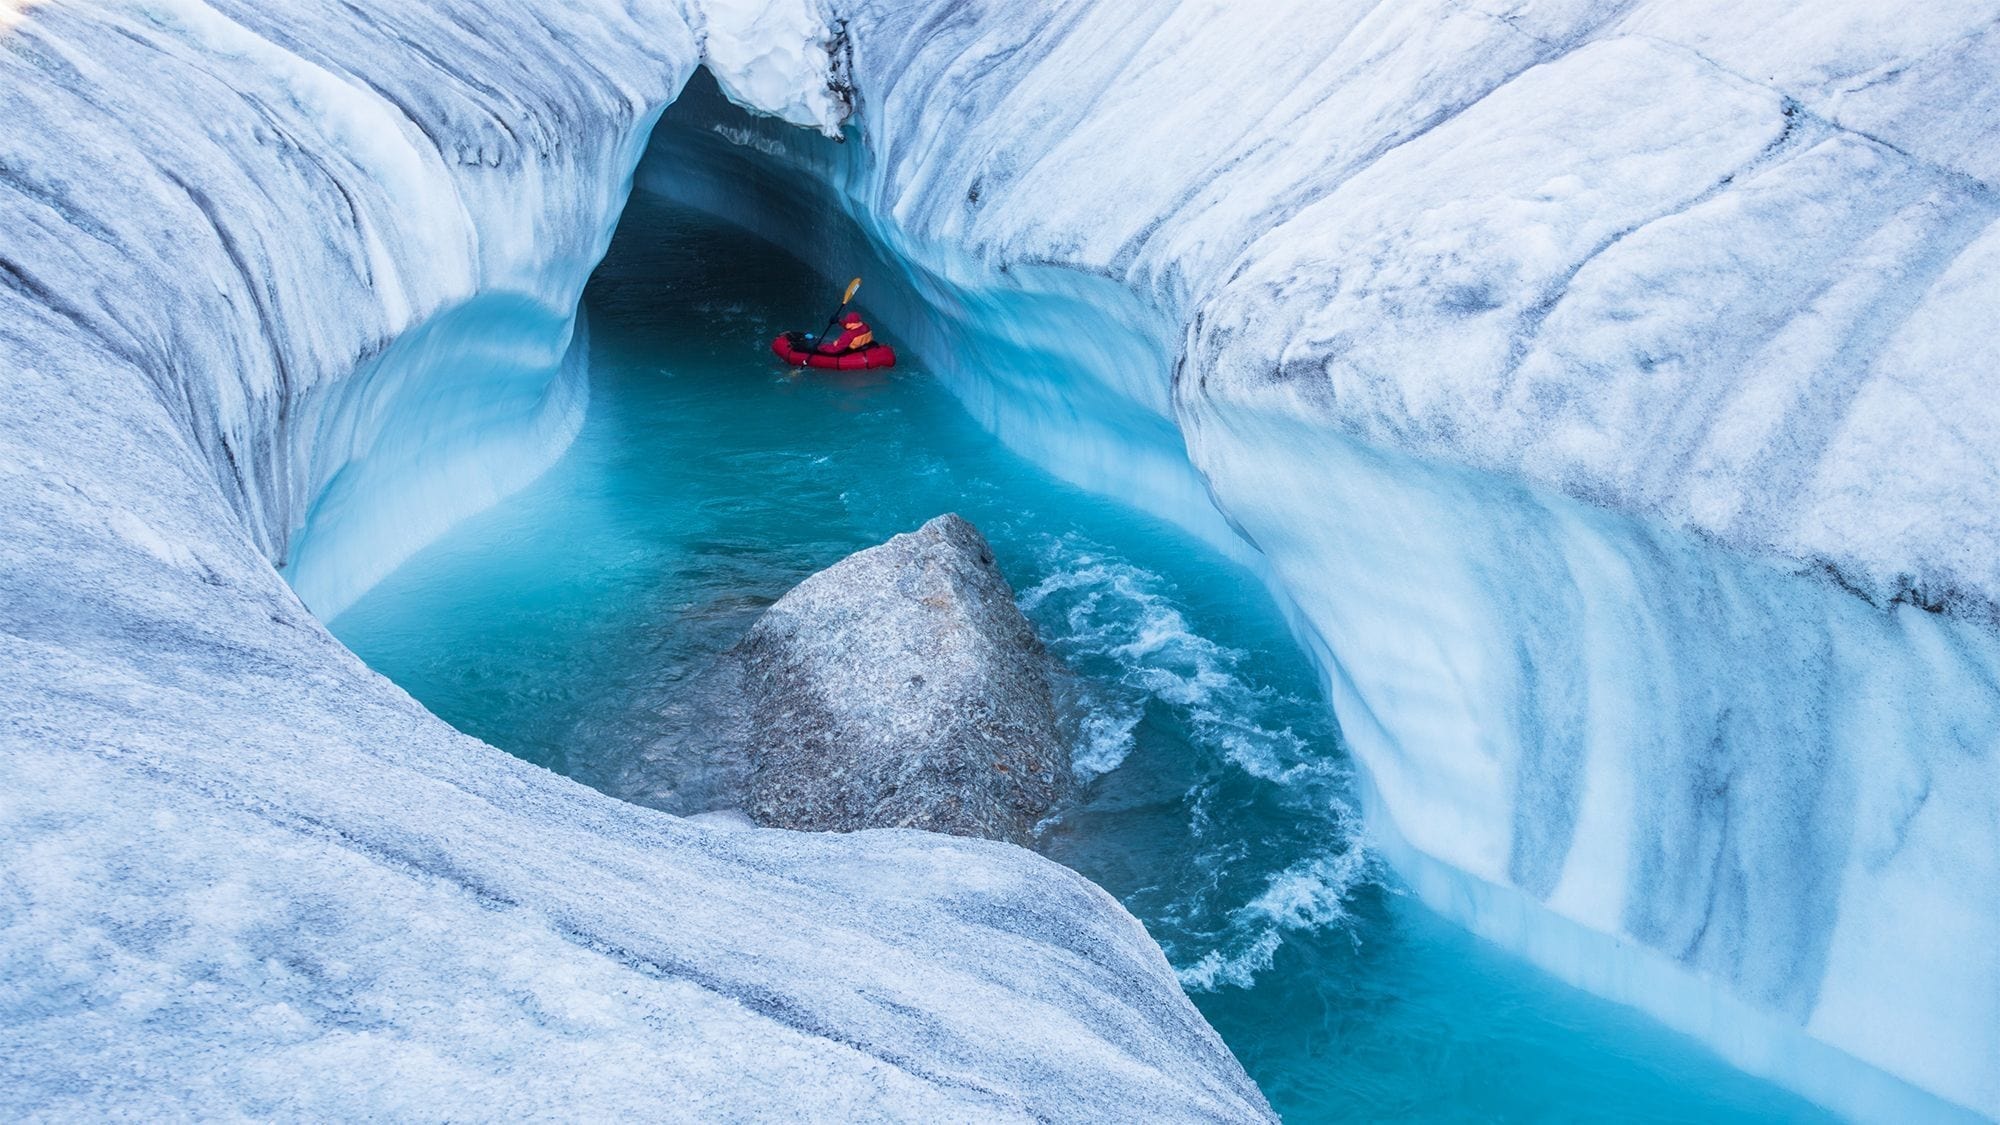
795 349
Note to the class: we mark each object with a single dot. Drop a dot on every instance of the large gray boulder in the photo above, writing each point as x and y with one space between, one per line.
902 688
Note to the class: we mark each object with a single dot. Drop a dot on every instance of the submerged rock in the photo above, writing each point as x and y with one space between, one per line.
902 688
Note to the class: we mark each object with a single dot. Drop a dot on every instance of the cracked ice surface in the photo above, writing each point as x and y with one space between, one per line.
264 259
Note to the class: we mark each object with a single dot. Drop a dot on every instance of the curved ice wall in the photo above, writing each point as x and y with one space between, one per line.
1603 385
258 259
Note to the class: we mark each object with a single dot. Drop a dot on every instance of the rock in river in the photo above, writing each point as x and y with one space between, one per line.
902 688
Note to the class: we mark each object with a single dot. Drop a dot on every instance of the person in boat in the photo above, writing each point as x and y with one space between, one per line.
853 336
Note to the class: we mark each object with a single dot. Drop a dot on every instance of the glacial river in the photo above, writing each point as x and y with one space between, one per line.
568 624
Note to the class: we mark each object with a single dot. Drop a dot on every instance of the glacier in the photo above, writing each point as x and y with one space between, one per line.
1598 385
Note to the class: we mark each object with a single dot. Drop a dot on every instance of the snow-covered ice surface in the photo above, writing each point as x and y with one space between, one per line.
258 259
1605 386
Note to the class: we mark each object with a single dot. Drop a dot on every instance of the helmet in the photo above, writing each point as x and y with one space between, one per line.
851 318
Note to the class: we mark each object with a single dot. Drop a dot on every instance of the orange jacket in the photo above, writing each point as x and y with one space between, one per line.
854 335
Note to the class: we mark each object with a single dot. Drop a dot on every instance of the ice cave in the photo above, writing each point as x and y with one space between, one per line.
1491 509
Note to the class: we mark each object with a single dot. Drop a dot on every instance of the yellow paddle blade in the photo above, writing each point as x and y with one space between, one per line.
851 287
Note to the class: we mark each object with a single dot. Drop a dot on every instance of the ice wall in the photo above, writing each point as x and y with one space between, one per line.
1601 385
263 259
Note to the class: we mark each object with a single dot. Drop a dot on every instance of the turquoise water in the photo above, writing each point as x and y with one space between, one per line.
569 625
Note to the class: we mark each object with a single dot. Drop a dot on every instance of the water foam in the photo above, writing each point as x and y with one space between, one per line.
1119 625
1125 631
1309 895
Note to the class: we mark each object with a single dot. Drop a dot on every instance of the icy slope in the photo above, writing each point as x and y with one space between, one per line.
259 258
1604 385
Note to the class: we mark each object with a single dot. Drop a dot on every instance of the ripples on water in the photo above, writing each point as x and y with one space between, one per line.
577 624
